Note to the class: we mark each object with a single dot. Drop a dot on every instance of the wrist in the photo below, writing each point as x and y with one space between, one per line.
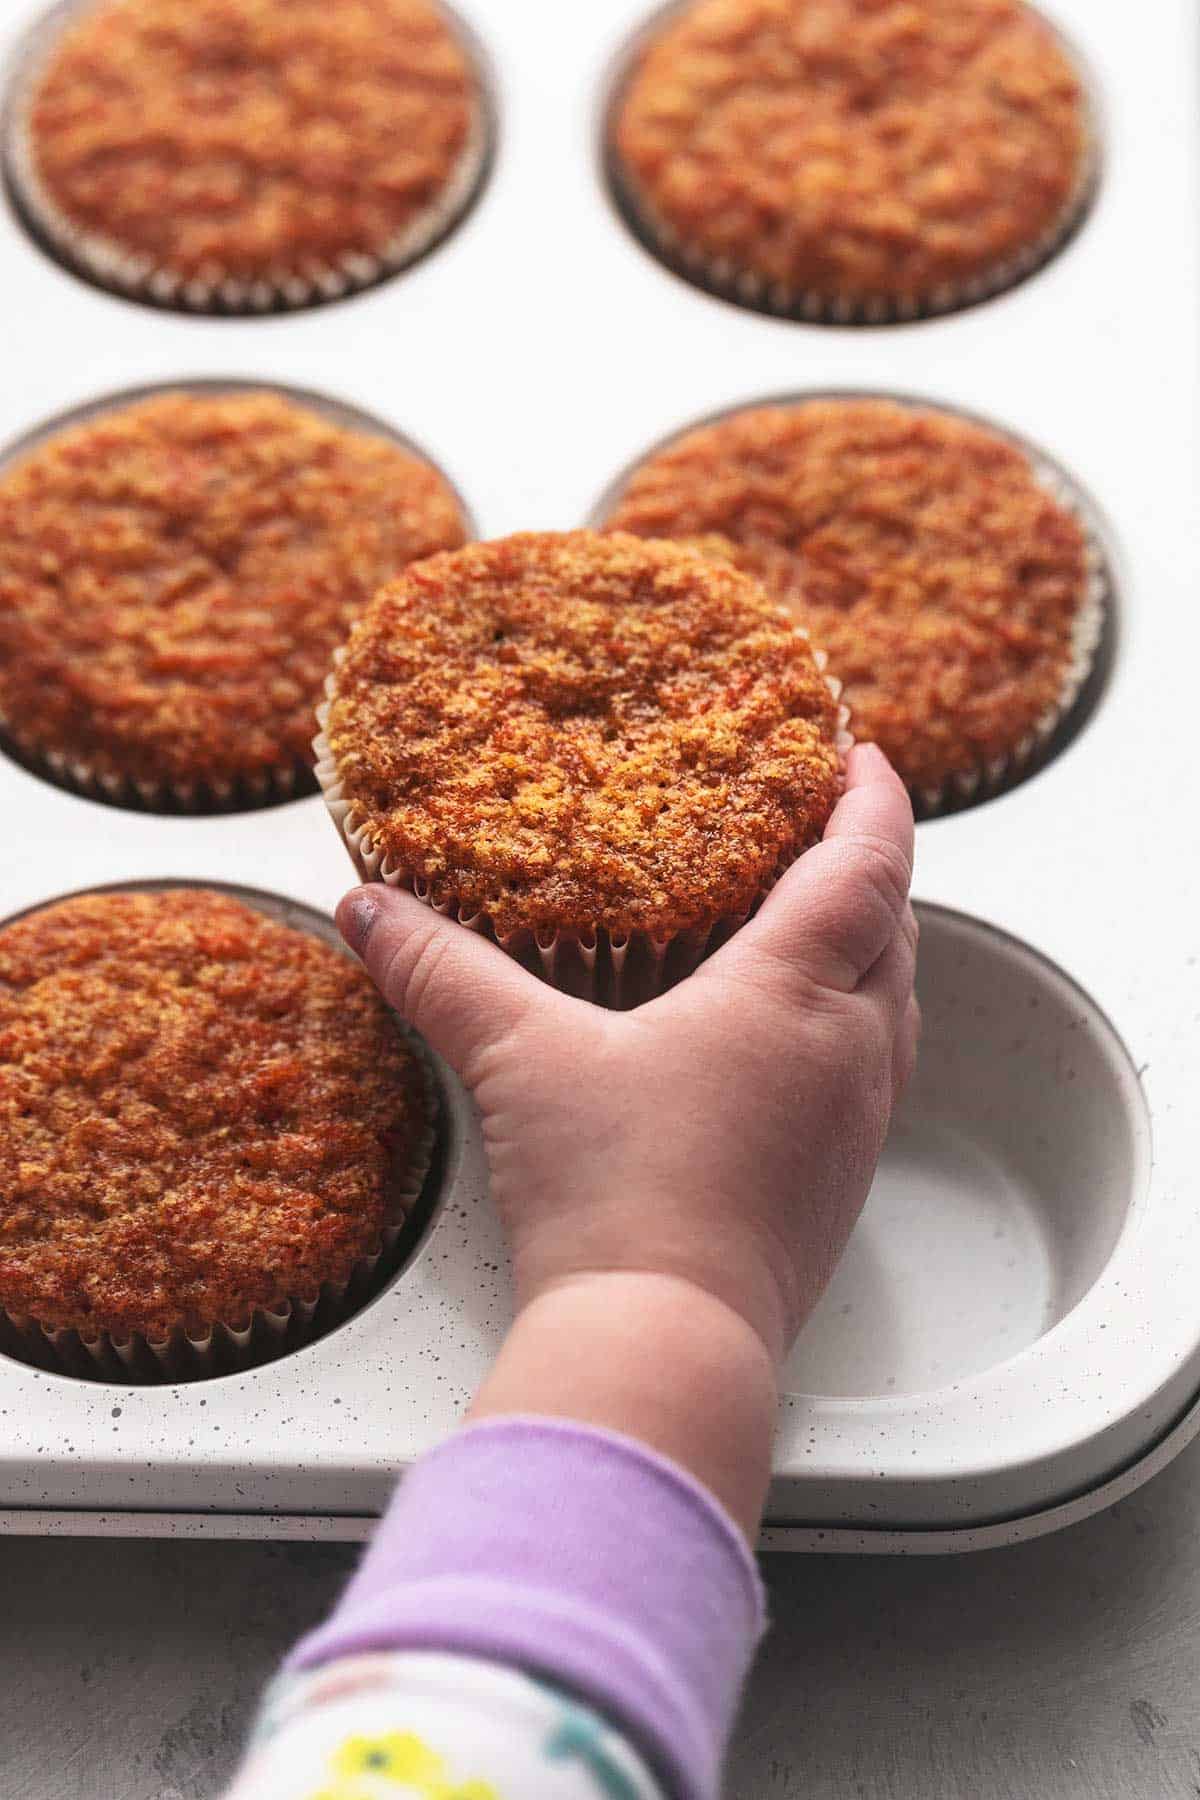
654 1357
721 1260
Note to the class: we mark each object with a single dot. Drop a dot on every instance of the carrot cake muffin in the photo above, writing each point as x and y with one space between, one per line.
204 1113
953 592
174 575
853 158
237 153
566 735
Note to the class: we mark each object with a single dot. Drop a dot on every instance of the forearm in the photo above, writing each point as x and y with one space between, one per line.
655 1358
576 1554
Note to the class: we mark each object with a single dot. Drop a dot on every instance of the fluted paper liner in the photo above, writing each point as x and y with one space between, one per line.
263 787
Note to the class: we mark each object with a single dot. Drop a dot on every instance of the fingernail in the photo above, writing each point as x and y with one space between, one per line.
356 918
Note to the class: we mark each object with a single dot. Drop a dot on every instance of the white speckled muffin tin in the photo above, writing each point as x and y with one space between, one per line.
1014 1338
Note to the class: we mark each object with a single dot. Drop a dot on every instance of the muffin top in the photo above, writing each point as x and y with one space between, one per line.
853 150
175 574
570 732
203 1112
920 549
245 139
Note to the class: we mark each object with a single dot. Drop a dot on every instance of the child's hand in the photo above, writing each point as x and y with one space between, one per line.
707 1154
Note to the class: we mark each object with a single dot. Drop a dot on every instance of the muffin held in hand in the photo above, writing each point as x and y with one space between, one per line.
174 576
853 159
601 750
958 597
240 154
210 1127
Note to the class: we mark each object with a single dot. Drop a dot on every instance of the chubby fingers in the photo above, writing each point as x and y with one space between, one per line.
460 991
836 910
904 1050
889 980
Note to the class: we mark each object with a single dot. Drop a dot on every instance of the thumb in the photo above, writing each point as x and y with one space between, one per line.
458 988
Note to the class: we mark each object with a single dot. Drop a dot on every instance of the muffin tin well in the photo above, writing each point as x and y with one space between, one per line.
1020 1154
743 288
266 1334
1024 1274
242 796
105 266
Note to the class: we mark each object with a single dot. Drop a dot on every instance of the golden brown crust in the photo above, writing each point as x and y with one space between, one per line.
920 549
244 139
201 1112
857 150
571 732
174 576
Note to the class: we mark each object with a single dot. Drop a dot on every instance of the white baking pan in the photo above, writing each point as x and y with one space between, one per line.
1014 1338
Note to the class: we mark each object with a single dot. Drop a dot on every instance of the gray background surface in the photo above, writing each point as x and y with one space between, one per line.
1064 1669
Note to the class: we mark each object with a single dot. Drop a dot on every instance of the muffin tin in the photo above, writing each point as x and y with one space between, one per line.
1013 1339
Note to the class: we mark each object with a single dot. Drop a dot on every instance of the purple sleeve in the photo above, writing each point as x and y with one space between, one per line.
579 1556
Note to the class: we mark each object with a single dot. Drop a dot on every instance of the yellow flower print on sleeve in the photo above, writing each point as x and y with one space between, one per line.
398 1756
398 1759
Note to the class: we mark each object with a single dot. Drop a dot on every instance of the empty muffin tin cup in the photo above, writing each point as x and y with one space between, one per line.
1017 1159
263 1333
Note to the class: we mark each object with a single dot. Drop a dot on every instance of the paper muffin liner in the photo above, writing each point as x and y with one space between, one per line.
747 287
265 787
264 1333
615 972
1088 633
109 264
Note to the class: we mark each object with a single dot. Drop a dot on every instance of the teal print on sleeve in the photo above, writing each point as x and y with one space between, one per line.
578 1738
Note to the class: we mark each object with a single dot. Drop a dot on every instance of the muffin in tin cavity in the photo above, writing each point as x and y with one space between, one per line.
599 751
239 156
217 1140
954 575
176 568
851 162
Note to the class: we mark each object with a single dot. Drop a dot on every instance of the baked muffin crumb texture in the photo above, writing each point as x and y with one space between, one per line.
567 733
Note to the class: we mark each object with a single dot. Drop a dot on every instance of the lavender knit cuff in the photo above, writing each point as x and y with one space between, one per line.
580 1556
